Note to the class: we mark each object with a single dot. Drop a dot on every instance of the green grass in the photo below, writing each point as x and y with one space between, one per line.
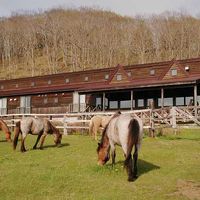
71 171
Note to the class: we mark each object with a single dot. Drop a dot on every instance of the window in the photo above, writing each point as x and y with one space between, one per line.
179 101
168 101
16 85
86 78
49 82
174 72
140 102
3 106
188 100
129 74
150 103
25 104
152 72
45 101
125 104
67 80
32 84
56 100
106 76
119 77
113 104
2 87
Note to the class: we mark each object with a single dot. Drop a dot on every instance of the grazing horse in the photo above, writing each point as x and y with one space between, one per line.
96 122
5 129
125 130
35 126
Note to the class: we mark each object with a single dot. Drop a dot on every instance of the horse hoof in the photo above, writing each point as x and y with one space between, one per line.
41 148
133 178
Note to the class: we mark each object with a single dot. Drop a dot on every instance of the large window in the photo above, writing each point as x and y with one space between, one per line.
140 102
179 101
3 106
25 104
168 101
113 104
125 104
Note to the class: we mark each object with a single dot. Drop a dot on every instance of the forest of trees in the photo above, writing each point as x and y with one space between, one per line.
72 40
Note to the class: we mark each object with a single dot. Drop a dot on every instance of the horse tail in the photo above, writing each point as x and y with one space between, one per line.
17 131
133 135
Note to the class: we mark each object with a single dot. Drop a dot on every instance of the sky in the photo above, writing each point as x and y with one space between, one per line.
122 7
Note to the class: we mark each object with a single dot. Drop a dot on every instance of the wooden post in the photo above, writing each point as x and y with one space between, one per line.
152 125
104 101
173 118
195 100
162 97
131 99
65 125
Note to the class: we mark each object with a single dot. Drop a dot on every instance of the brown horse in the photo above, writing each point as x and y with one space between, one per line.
96 122
125 130
5 129
35 126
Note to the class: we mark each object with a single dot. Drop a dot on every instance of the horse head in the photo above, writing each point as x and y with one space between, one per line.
103 152
57 137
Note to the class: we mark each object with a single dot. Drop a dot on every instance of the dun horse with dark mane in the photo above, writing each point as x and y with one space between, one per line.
35 126
125 130
5 129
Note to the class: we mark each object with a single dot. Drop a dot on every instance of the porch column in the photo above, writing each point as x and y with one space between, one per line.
131 99
195 99
162 97
104 95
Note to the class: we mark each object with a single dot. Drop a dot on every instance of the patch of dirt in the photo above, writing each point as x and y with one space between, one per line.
189 189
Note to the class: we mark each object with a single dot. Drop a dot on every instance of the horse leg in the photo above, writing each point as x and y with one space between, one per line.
129 167
38 139
113 154
95 129
135 157
42 141
23 149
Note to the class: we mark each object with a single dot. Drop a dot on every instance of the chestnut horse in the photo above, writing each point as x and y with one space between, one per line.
35 126
5 129
125 130
96 122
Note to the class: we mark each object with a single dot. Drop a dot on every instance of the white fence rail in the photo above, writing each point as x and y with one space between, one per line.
169 117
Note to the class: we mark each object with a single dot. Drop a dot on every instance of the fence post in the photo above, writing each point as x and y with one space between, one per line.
173 118
65 125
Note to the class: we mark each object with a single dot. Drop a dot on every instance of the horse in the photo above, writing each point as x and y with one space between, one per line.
96 122
35 126
5 129
125 130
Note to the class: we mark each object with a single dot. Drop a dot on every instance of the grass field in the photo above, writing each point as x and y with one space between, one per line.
169 168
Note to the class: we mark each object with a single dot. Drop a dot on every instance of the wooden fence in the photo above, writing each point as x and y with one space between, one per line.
152 119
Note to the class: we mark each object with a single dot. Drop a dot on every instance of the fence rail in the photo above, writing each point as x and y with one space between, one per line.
152 119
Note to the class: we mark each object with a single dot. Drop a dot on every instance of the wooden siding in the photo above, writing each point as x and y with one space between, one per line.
140 76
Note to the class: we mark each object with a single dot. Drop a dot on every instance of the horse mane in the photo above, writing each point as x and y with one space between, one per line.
104 134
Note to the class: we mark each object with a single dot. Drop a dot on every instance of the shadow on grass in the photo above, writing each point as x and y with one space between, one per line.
143 166
3 140
53 145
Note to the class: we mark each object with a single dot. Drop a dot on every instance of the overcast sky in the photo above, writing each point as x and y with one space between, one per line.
123 7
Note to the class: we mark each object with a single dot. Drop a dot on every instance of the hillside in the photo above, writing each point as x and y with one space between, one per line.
72 40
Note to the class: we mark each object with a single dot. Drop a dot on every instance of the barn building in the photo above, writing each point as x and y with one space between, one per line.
170 83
